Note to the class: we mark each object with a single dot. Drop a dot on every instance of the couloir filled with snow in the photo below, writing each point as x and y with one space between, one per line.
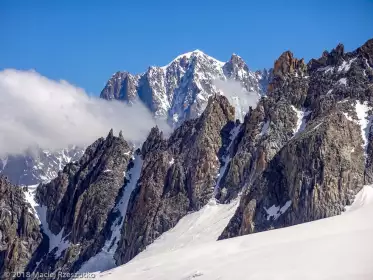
337 248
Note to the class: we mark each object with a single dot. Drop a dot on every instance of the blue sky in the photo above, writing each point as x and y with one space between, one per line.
84 42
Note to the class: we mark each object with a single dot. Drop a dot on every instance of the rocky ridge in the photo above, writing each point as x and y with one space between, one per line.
80 204
321 159
20 235
179 175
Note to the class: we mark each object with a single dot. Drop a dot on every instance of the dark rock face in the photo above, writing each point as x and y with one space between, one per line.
314 176
121 86
316 152
20 235
180 90
80 202
267 128
366 51
37 166
178 176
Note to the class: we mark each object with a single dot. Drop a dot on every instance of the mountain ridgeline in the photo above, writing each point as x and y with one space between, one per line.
300 155
180 90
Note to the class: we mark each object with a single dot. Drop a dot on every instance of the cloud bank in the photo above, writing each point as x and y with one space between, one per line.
238 96
39 112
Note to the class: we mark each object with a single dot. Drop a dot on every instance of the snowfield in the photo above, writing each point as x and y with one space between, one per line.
337 248
194 229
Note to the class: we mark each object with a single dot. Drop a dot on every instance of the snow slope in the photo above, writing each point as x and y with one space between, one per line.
337 248
195 229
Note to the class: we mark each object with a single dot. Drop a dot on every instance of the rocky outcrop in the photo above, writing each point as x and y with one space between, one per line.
178 175
81 200
314 176
288 73
20 234
366 51
266 128
335 57
319 148
288 64
264 131
121 86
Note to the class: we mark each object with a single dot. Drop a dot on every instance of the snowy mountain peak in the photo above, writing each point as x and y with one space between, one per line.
235 56
179 91
189 56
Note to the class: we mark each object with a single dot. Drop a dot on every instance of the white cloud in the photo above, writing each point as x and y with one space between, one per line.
37 111
238 96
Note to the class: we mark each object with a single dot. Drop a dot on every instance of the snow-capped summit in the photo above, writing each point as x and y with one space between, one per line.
179 90
191 55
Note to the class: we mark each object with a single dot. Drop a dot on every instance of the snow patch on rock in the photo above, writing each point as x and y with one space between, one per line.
301 119
342 81
265 128
227 158
276 211
326 69
346 65
104 260
40 211
364 121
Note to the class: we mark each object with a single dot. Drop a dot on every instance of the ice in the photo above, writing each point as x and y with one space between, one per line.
337 248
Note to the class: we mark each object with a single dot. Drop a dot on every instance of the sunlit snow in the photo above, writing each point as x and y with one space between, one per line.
337 248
